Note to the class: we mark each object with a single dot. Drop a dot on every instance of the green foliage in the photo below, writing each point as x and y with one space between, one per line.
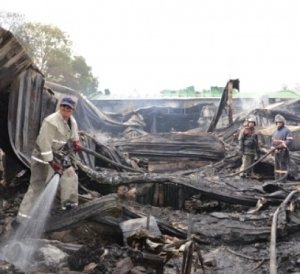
83 77
44 42
213 92
51 50
186 92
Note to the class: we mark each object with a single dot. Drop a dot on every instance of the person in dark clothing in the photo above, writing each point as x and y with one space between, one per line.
248 145
281 140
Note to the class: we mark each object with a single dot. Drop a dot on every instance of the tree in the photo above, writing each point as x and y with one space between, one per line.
41 41
74 73
51 50
11 20
84 78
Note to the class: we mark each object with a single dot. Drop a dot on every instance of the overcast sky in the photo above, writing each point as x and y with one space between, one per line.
144 46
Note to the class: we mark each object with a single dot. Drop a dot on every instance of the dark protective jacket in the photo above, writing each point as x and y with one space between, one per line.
281 139
248 141
282 136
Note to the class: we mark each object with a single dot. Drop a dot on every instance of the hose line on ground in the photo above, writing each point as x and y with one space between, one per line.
251 166
98 155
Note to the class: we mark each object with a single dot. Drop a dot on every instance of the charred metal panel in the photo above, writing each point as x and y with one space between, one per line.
13 59
29 103
173 147
14 62
88 117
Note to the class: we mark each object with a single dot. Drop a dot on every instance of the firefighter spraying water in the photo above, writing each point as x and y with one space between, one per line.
57 130
51 169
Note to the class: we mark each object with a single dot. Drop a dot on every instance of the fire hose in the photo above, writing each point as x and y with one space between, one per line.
99 156
255 163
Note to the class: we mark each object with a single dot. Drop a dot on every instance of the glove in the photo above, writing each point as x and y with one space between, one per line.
76 146
58 168
282 145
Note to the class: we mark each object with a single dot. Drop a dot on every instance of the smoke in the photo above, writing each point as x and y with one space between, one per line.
247 104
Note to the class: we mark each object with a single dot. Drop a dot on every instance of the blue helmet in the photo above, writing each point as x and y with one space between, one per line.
68 101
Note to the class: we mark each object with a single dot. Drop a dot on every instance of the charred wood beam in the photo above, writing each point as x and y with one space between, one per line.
67 247
281 208
234 85
106 205
116 179
218 113
210 150
238 232
149 260
172 146
187 259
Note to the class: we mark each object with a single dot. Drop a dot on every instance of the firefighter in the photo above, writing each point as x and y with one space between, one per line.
281 140
57 130
248 145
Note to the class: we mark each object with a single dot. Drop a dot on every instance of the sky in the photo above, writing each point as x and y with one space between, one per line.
140 47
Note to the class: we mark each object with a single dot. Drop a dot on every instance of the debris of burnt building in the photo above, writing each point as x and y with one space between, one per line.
152 200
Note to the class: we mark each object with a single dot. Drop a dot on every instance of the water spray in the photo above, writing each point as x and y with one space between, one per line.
19 251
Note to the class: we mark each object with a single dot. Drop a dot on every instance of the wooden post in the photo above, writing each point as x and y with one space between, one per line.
229 102
273 253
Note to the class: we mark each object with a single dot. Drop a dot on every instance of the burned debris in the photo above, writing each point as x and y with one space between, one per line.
150 200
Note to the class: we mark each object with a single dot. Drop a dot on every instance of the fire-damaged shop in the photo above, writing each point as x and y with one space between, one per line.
160 189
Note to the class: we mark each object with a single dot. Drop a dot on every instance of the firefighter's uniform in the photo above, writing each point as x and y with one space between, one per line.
281 138
54 134
248 143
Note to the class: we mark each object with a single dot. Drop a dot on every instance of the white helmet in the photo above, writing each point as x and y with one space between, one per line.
252 119
279 119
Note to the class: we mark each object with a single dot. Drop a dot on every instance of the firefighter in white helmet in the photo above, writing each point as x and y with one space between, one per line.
248 146
56 131
281 140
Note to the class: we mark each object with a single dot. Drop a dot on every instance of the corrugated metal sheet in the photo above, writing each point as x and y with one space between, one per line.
13 59
28 105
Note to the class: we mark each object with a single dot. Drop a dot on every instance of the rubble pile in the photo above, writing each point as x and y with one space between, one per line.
167 202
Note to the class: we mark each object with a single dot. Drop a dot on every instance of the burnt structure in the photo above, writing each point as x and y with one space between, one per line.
186 180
